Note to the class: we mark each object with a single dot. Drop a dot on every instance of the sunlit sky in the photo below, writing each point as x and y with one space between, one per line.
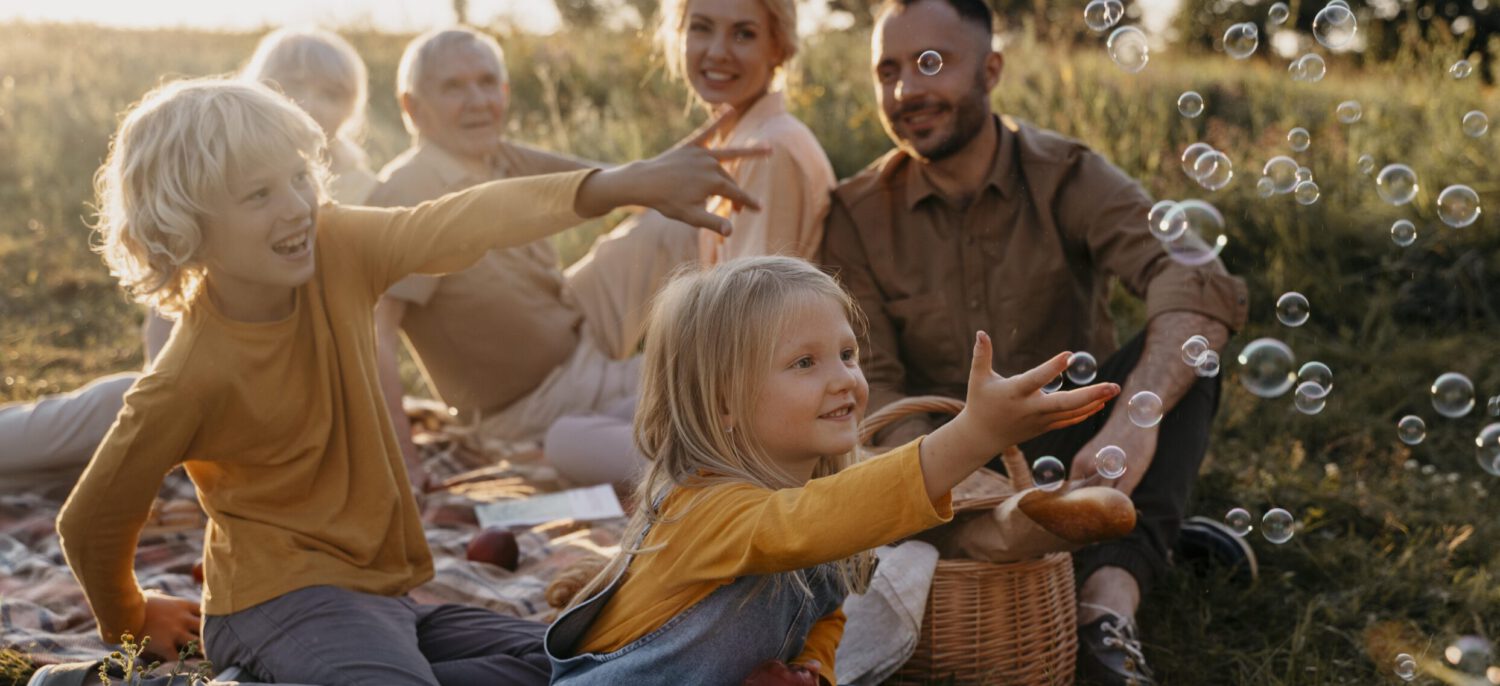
392 15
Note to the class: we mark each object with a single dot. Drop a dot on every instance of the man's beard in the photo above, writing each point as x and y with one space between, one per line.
969 118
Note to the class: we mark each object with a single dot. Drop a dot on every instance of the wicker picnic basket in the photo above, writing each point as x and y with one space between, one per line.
987 623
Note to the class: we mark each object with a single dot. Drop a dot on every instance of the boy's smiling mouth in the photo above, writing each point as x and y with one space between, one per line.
294 245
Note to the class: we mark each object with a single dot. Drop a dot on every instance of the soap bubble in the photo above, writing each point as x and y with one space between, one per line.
1110 462
1406 667
1458 206
1278 14
1129 49
1238 521
930 62
1157 222
1471 655
1452 395
1053 385
1214 170
1144 409
1307 193
1292 309
1411 429
1488 443
1309 68
1461 69
1265 187
1203 236
1335 27
1277 526
1349 111
1303 175
1476 124
1397 184
1282 171
1310 398
1190 104
1241 40
1268 367
1048 473
1494 406
1100 15
1208 365
1318 373
1082 368
1366 164
1190 156
1193 349
1299 138
1403 233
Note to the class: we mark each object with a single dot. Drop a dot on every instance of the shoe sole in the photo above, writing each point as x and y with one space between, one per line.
1247 554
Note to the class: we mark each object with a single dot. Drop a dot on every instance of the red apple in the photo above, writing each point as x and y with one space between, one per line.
495 546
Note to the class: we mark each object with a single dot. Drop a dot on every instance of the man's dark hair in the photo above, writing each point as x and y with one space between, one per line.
976 12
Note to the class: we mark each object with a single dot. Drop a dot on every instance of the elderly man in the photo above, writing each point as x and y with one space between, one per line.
978 221
513 340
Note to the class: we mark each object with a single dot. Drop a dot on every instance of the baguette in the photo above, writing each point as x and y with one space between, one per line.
1082 515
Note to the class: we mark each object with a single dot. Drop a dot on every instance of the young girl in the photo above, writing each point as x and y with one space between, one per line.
324 75
735 54
754 520
211 209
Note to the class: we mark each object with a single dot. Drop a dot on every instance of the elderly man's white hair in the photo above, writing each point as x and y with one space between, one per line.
423 48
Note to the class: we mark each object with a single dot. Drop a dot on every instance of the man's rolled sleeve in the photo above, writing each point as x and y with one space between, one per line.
1205 290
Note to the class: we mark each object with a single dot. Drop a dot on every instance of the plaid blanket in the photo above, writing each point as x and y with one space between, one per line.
43 612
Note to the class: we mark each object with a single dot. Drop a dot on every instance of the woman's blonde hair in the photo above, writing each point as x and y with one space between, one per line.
312 54
671 34
711 336
169 165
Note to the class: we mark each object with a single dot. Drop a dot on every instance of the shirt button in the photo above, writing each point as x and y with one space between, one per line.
973 303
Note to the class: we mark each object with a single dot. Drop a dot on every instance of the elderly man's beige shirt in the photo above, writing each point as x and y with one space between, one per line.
1030 260
486 336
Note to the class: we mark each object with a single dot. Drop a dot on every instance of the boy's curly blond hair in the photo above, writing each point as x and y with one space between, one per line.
168 170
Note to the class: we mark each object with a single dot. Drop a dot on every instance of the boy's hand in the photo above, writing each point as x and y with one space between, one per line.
171 622
1008 411
676 183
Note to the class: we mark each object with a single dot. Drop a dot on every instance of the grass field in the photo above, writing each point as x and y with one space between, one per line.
1397 546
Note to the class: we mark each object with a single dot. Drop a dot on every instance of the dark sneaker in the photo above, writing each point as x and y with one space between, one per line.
1204 540
1109 654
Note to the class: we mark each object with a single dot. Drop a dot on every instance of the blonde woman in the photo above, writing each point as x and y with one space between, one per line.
735 55
754 520
325 76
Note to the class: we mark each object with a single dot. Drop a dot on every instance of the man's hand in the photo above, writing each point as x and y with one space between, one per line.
676 183
171 622
1139 446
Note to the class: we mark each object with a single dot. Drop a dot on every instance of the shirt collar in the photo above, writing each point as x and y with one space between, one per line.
1002 176
451 170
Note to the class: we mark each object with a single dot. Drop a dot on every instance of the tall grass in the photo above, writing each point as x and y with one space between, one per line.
1397 545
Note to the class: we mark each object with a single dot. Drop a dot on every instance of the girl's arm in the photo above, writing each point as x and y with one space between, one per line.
821 645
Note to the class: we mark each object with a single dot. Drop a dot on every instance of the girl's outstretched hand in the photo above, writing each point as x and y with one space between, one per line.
778 673
1006 411
677 183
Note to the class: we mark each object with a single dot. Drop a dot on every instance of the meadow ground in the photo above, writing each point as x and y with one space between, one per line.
1396 547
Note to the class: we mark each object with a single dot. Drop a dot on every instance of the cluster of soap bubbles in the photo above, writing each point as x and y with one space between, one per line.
1314 383
1309 68
1191 232
1406 667
1277 525
1283 175
1197 354
1102 15
1210 168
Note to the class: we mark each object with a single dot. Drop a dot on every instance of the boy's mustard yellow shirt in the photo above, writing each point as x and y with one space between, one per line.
281 424
711 536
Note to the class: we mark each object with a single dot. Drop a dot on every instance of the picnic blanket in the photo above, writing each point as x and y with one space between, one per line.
43 612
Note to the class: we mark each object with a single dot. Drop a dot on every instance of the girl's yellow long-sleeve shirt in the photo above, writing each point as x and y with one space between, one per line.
711 536
281 424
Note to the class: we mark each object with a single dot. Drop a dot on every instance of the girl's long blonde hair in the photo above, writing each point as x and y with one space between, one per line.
711 335
321 56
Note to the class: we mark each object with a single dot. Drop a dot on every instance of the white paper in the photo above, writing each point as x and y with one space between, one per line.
582 504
